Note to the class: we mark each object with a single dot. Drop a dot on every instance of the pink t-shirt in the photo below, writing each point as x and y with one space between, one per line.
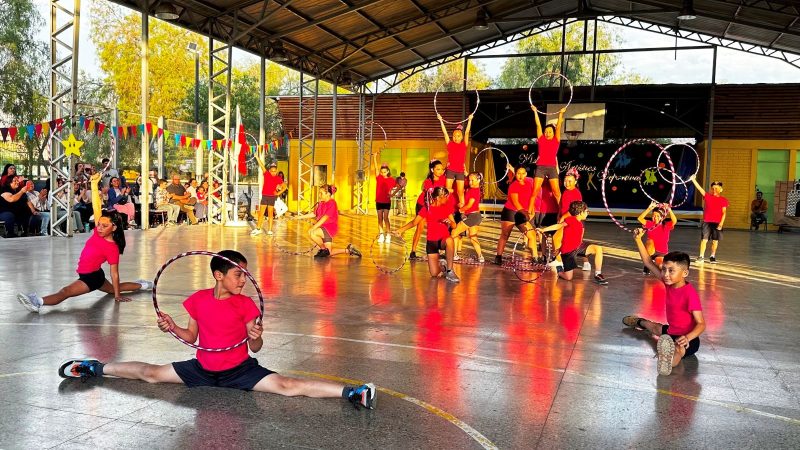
659 234
456 156
680 304
383 187
573 235
567 197
428 184
475 195
97 251
437 229
548 148
221 323
524 193
331 210
712 212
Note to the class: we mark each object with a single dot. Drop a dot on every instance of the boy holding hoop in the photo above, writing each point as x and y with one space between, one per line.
220 316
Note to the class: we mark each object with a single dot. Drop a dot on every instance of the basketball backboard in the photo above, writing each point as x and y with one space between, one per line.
587 120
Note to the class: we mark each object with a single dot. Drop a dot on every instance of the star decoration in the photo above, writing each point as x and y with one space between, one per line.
72 146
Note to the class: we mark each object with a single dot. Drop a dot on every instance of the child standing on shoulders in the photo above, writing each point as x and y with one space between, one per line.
456 157
106 244
572 245
220 316
327 225
715 208
685 321
658 231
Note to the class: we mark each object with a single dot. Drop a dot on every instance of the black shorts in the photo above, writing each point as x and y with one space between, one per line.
244 376
452 174
432 247
694 344
268 200
570 259
380 206
473 219
326 237
550 172
458 217
542 220
509 215
710 231
95 280
419 208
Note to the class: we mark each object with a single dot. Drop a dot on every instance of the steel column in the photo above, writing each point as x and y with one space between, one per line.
144 194
219 123
307 124
366 114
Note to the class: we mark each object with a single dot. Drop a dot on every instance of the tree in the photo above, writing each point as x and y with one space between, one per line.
449 77
519 72
23 69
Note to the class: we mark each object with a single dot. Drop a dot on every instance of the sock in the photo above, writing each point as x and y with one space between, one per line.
347 392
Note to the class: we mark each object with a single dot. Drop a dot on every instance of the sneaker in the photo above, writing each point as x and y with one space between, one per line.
699 260
600 279
645 271
443 265
388 238
481 259
712 259
498 259
412 255
381 239
365 395
146 285
587 267
323 253
456 257
666 351
269 233
451 276
32 302
352 250
631 321
79 368
256 232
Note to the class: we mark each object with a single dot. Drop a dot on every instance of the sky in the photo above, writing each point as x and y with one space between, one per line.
660 67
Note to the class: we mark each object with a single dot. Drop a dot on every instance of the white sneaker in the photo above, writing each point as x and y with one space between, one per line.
456 257
587 267
481 259
269 233
256 232
443 265
388 238
146 285
32 302
381 239
451 276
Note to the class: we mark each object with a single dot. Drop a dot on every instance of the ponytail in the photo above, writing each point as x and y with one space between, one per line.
119 233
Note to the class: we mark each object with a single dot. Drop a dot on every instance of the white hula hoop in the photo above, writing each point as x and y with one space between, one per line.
533 83
505 168
696 158
477 103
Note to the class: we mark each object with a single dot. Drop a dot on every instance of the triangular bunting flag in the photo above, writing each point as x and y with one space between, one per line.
160 133
133 130
114 131
4 133
208 144
177 139
125 132
81 121
46 128
166 134
100 128
30 130
12 131
183 141
149 127
37 130
141 129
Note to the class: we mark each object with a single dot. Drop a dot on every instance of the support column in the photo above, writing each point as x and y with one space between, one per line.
144 195
307 124
333 132
262 130
366 111
710 138
159 141
219 124
63 105
198 153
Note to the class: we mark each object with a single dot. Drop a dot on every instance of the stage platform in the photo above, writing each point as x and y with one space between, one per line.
487 362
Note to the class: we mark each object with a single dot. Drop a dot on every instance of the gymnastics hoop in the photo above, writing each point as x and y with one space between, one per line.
538 268
286 251
435 108
505 171
533 83
385 269
696 158
604 176
213 255
681 180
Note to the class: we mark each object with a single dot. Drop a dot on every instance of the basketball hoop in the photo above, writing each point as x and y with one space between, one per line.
572 139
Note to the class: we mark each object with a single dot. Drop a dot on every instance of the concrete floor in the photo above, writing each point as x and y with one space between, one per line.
488 362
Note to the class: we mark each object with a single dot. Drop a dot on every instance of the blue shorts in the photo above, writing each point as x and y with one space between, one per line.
244 376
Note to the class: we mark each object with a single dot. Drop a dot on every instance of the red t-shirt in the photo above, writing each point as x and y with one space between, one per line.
567 197
475 195
712 212
524 193
271 183
548 148
456 156
221 323
428 184
97 251
331 210
659 234
573 234
679 304
383 187
437 229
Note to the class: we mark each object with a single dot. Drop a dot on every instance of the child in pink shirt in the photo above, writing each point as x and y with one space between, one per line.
685 321
219 317
106 243
326 225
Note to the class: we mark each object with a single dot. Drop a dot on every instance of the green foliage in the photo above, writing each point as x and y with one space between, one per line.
450 77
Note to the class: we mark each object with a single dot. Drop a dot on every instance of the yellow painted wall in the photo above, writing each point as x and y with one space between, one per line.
347 164
734 162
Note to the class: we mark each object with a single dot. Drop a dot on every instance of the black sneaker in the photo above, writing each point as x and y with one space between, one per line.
712 259
645 271
365 395
600 279
79 368
498 259
353 251
323 253
412 255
